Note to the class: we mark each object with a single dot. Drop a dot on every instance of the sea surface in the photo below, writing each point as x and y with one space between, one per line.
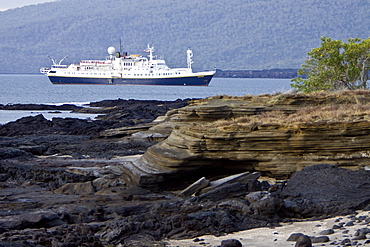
37 89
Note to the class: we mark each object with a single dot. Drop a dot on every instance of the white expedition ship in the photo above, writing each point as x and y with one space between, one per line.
127 69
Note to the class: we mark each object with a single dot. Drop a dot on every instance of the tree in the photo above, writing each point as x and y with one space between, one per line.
335 65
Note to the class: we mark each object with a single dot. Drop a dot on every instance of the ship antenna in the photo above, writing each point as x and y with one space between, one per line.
60 62
54 63
120 45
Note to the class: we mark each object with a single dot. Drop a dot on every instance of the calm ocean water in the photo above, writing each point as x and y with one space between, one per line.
26 88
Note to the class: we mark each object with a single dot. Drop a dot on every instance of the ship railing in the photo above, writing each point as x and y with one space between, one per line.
59 66
44 70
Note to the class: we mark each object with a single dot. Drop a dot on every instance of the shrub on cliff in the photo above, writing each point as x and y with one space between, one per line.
335 65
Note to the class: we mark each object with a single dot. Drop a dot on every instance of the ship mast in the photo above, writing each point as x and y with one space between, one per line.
150 50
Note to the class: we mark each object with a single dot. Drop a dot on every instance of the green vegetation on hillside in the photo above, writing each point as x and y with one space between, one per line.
335 65
229 35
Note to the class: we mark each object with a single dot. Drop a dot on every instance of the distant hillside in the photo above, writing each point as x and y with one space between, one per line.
231 35
266 73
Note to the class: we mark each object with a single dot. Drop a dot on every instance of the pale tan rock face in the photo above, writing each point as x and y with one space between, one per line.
198 139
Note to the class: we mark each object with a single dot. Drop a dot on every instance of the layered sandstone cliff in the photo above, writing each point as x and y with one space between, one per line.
274 135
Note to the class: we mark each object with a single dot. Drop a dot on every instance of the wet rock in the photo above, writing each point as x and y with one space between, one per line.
321 239
294 236
345 242
41 107
350 223
327 232
303 241
362 231
361 234
231 243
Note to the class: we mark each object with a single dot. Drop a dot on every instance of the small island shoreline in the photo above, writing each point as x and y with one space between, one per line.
78 181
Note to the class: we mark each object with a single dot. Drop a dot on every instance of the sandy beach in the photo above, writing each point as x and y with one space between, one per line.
265 237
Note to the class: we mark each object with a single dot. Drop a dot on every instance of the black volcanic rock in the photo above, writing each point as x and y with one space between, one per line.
62 185
36 135
40 107
326 190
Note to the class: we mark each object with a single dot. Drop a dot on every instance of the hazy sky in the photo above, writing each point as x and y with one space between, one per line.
10 4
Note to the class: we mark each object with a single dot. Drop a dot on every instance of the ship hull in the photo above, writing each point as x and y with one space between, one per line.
203 80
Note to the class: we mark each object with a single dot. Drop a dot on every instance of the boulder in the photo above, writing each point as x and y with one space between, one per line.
320 239
231 243
303 241
325 190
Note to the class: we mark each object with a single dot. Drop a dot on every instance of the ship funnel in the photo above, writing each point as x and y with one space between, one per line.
189 53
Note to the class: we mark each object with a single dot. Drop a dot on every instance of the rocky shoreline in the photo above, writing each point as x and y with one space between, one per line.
114 182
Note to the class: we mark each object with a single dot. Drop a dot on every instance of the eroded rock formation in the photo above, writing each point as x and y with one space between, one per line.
207 136
69 182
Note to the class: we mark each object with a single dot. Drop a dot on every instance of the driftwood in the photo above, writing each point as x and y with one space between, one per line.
195 187
244 177
203 185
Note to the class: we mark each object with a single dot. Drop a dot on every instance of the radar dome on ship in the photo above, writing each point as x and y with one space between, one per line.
111 50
